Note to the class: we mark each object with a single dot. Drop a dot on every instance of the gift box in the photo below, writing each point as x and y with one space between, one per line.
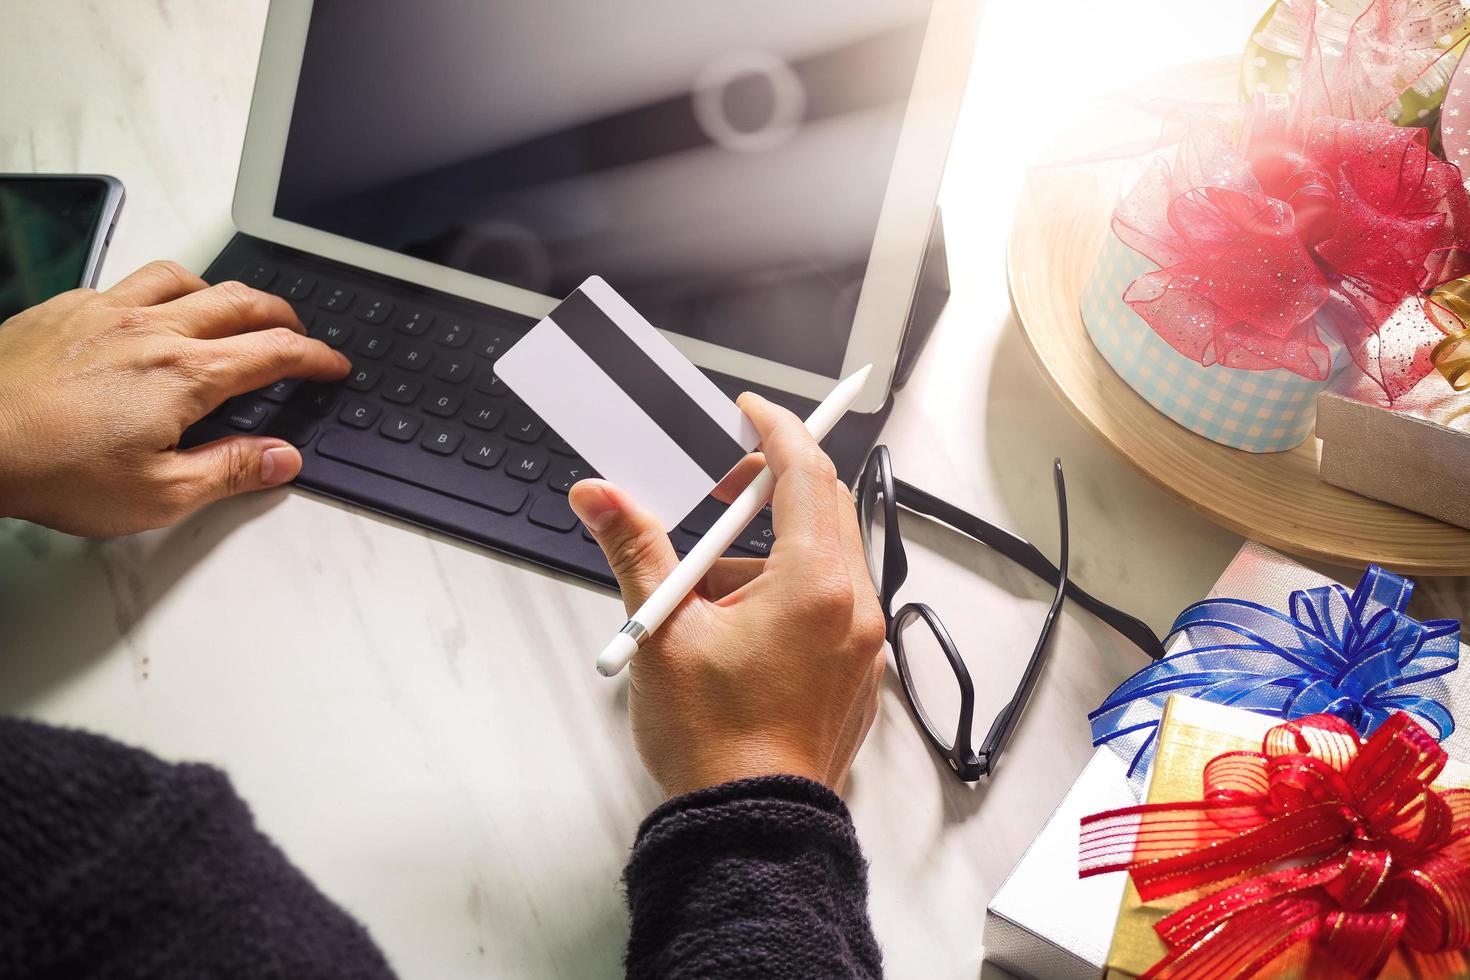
1276 637
1415 455
1045 922
1257 411
1193 734
1273 242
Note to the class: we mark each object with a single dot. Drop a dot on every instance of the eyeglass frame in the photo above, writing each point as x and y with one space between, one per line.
878 480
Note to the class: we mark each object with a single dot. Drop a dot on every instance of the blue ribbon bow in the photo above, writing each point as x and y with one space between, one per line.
1356 656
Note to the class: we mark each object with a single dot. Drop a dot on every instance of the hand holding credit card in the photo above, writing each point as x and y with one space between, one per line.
684 437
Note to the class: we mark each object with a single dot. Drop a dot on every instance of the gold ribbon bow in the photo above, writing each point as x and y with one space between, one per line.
1449 308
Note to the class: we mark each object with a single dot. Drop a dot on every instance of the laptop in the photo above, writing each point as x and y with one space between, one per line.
424 181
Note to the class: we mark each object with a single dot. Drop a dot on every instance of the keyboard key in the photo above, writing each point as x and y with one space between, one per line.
372 310
493 343
415 324
442 401
525 427
552 512
364 378
399 427
703 517
453 335
295 428
440 438
454 369
281 390
258 274
402 392
565 474
372 345
335 299
413 357
297 286
247 415
488 384
525 466
446 476
360 414
757 538
479 451
482 413
559 445
331 333
317 399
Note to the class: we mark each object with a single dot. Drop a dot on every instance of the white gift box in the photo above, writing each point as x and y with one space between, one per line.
1045 922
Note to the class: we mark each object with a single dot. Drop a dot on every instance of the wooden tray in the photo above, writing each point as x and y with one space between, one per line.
1275 498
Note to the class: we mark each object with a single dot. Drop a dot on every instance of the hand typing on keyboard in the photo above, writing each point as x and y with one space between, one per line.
772 666
97 388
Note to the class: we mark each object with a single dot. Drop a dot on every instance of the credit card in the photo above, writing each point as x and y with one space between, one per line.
635 408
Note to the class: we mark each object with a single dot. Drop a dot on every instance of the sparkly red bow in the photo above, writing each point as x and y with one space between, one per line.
1297 215
1264 241
1316 839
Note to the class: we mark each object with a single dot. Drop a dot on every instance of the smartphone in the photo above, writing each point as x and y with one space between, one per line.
54 231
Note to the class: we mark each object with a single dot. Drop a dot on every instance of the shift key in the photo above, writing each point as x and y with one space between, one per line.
446 475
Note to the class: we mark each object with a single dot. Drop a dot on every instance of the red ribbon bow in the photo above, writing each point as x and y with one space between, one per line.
1266 239
1316 839
1309 213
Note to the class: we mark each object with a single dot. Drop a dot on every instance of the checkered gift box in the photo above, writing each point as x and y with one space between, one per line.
1258 411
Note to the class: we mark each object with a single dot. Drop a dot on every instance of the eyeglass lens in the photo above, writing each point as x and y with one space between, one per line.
936 691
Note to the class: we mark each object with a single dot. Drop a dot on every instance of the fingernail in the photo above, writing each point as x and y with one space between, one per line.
596 507
276 465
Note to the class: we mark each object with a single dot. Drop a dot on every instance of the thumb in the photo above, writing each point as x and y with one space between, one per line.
636 545
235 465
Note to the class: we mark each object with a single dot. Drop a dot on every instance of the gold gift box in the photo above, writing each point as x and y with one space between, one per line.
1191 733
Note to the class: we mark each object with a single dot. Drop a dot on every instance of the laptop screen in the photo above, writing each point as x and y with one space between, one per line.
722 165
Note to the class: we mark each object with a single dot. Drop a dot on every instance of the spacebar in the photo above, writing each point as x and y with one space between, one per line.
444 474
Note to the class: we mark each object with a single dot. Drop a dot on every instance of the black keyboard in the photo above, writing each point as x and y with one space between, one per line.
421 428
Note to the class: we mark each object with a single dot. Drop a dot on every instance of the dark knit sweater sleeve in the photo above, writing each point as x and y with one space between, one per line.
114 864
755 878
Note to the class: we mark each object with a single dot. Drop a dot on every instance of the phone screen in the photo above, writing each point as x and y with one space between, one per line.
46 230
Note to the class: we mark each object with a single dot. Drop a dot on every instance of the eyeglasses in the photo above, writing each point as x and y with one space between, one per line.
936 681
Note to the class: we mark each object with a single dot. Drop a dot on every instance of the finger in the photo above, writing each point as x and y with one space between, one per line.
727 575
739 478
226 467
801 506
156 282
635 544
226 309
254 360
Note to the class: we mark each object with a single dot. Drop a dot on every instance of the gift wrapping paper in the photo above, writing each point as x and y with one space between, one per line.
1045 922
1193 733
1257 411
1415 455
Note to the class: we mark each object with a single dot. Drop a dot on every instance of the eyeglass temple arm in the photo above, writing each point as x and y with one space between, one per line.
1005 722
1025 554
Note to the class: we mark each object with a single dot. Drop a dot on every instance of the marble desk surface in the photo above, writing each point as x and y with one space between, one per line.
417 722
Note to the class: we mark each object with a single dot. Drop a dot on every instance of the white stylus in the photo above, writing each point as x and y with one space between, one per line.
688 573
